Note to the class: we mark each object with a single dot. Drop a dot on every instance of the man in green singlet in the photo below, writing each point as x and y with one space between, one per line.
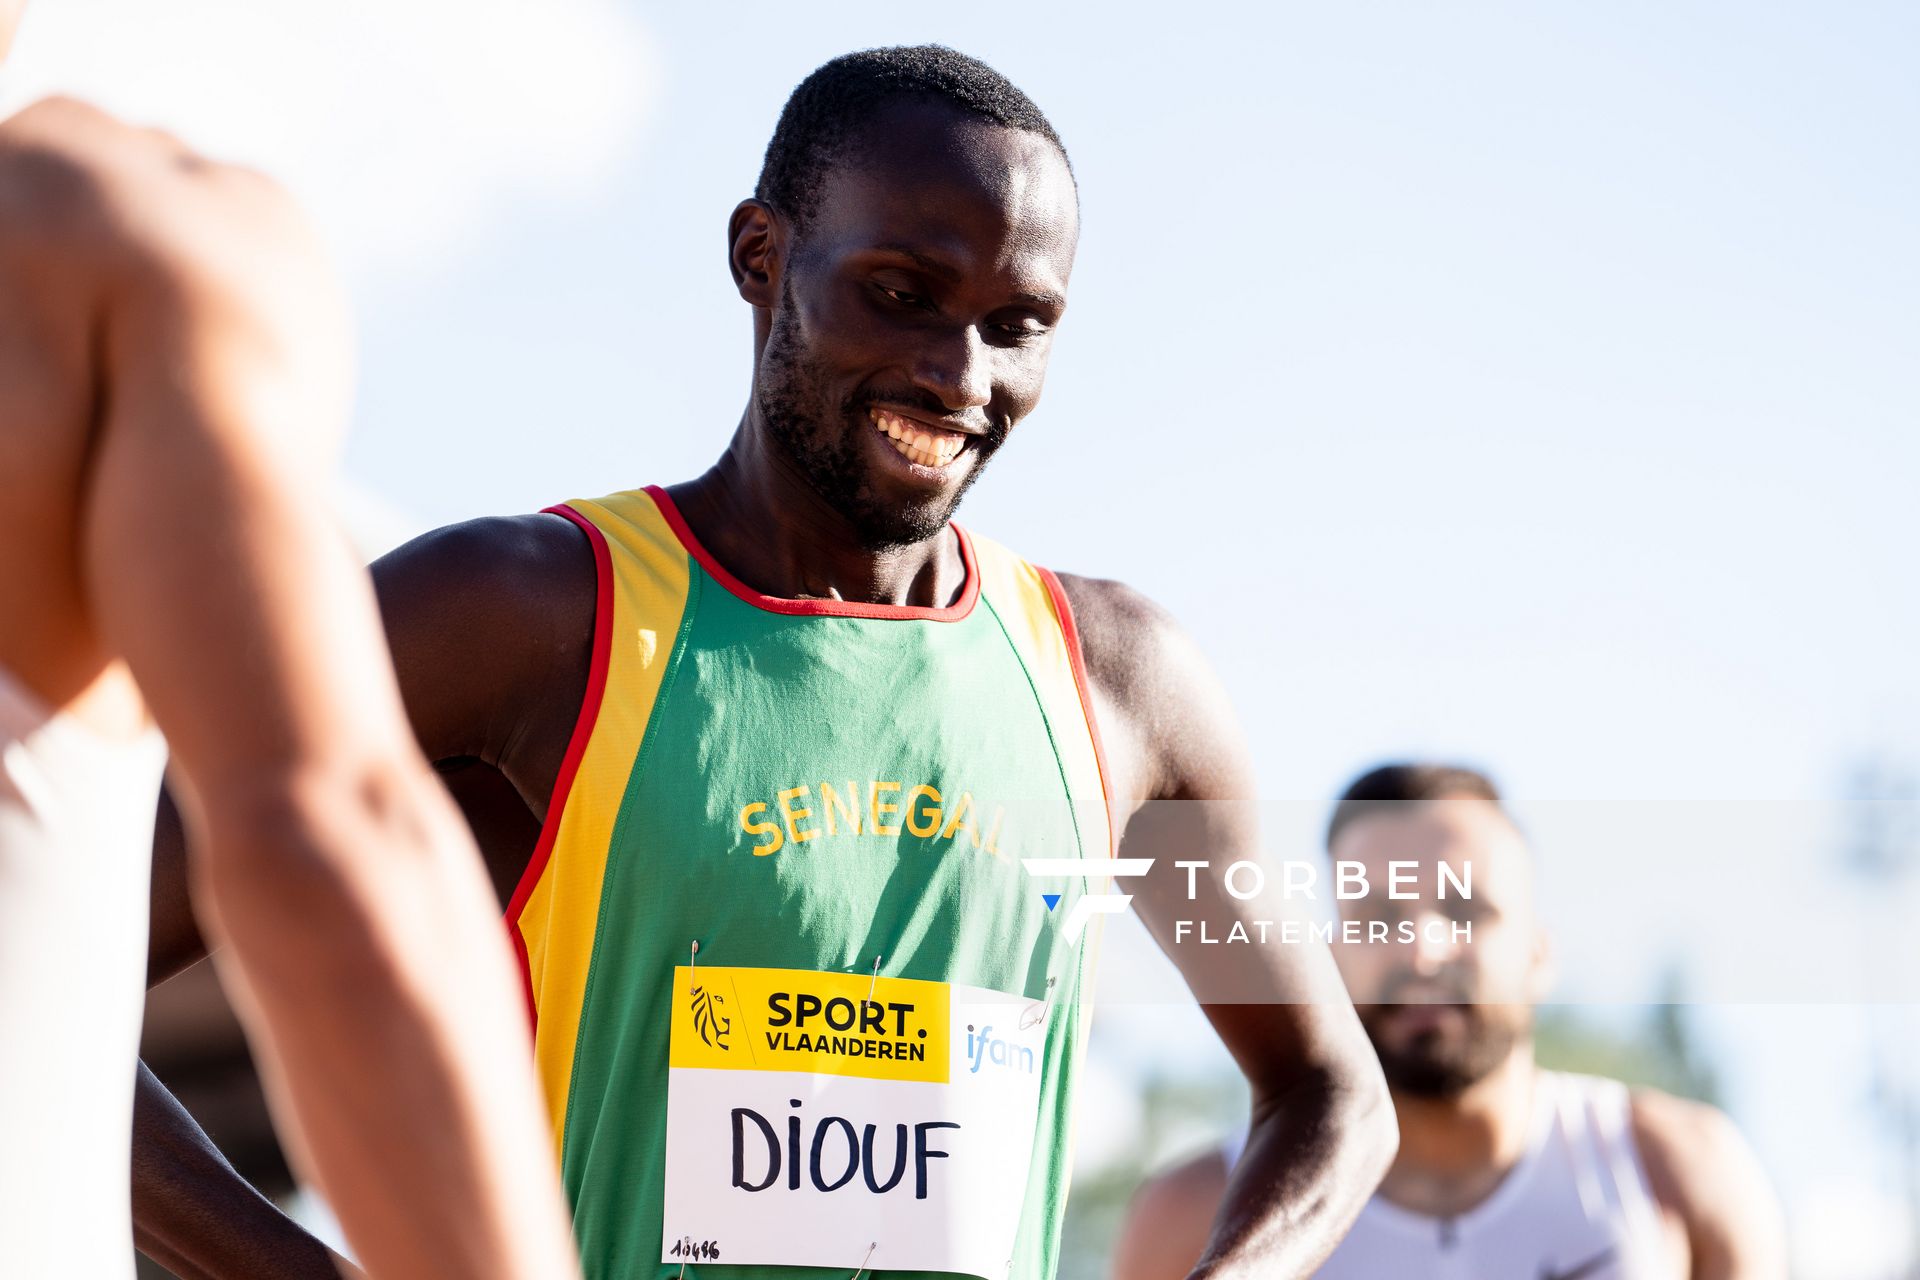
758 758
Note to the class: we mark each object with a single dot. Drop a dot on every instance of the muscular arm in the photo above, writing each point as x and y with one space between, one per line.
1703 1174
490 625
1322 1129
363 950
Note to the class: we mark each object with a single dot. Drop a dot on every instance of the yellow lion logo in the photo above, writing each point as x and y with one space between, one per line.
707 1019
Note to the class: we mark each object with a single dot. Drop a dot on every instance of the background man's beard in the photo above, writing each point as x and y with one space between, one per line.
822 445
1434 1066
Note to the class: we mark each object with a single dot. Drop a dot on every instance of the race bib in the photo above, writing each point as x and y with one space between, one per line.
810 1123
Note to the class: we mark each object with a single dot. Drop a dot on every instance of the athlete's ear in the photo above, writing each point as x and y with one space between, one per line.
756 252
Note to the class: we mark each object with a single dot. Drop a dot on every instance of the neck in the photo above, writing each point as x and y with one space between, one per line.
1455 1151
759 517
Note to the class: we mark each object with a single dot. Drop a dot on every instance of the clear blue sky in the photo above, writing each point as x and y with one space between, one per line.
1538 385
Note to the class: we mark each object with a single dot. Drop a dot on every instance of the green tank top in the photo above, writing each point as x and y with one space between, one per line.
834 801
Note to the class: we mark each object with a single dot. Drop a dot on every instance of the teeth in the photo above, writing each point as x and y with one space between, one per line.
922 447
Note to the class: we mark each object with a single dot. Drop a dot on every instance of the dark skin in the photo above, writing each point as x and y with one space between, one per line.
927 282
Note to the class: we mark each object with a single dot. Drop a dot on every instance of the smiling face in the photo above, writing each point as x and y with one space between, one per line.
914 315
1443 1014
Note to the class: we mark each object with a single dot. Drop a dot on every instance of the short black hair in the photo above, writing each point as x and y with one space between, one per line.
1392 786
826 112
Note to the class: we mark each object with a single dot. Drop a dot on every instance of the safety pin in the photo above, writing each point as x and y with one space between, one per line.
1031 1015
876 979
870 1249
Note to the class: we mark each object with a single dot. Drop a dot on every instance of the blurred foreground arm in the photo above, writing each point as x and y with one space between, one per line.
1322 1132
363 946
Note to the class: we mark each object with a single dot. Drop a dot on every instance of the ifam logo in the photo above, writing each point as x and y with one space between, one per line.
1091 904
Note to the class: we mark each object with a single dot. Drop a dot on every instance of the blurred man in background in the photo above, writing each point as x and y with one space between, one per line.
1506 1171
173 380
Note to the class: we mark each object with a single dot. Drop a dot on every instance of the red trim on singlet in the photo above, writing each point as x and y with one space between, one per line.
576 745
960 608
1072 634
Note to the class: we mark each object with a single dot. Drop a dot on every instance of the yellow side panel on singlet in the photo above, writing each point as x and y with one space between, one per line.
1033 609
643 579
1022 597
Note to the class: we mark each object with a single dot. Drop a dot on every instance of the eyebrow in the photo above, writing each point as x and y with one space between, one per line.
935 267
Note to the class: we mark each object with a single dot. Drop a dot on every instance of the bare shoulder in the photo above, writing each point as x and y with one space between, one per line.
1195 1185
1158 690
1680 1139
1123 633
491 625
1137 655
196 288
525 566
1701 1169
131 198
66 147
1170 1219
48 176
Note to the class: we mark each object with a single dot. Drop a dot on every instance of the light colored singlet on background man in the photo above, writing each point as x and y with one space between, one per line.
76 836
1576 1206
